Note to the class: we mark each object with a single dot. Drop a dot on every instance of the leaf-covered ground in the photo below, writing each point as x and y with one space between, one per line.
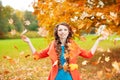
103 66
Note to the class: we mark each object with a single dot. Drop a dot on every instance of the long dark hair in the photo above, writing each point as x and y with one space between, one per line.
58 42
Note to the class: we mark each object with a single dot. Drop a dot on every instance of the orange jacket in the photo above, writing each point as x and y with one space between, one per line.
75 51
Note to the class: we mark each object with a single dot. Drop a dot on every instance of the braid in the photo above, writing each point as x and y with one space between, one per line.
58 50
67 51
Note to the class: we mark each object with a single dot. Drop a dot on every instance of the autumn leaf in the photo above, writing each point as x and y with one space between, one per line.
42 32
26 56
24 32
6 72
97 62
66 55
99 74
65 66
109 75
15 47
10 21
116 66
82 38
7 57
107 59
27 22
73 66
84 62
108 69
13 32
49 13
11 61
108 50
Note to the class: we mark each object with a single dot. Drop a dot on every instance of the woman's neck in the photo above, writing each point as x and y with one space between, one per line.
63 41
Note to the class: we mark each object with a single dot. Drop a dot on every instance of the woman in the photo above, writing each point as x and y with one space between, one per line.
63 52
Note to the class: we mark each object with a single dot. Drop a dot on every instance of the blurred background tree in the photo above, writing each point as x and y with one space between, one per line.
15 21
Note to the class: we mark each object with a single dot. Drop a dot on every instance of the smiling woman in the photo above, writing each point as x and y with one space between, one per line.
20 5
63 51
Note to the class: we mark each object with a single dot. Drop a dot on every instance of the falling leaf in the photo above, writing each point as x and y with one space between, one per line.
82 38
24 32
13 32
107 59
73 66
15 47
27 22
10 21
97 62
7 57
66 55
65 66
84 62
11 61
42 32
27 56
99 59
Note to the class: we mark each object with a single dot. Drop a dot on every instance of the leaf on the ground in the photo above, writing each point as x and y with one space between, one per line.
116 66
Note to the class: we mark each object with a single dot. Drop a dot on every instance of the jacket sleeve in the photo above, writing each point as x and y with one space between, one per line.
41 54
85 54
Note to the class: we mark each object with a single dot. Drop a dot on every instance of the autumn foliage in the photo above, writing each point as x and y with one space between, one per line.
80 14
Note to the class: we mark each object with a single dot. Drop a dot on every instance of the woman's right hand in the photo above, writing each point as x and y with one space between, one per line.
25 38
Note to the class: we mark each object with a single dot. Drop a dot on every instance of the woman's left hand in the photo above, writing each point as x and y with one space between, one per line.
104 35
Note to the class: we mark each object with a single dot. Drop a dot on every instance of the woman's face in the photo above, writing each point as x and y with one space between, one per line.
62 32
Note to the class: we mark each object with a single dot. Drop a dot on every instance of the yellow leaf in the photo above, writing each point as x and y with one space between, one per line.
73 66
116 66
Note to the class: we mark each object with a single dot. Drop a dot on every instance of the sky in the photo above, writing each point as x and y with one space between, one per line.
19 4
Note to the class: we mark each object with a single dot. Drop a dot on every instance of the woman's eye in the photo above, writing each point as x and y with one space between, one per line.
65 29
60 30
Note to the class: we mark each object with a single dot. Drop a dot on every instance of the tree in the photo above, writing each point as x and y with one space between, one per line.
31 20
5 13
82 15
17 23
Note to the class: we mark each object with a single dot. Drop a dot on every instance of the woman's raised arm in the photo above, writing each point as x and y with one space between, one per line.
27 40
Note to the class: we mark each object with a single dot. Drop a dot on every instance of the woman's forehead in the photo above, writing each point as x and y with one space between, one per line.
62 26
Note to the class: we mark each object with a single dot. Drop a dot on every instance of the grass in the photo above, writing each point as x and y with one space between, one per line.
16 61
12 47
